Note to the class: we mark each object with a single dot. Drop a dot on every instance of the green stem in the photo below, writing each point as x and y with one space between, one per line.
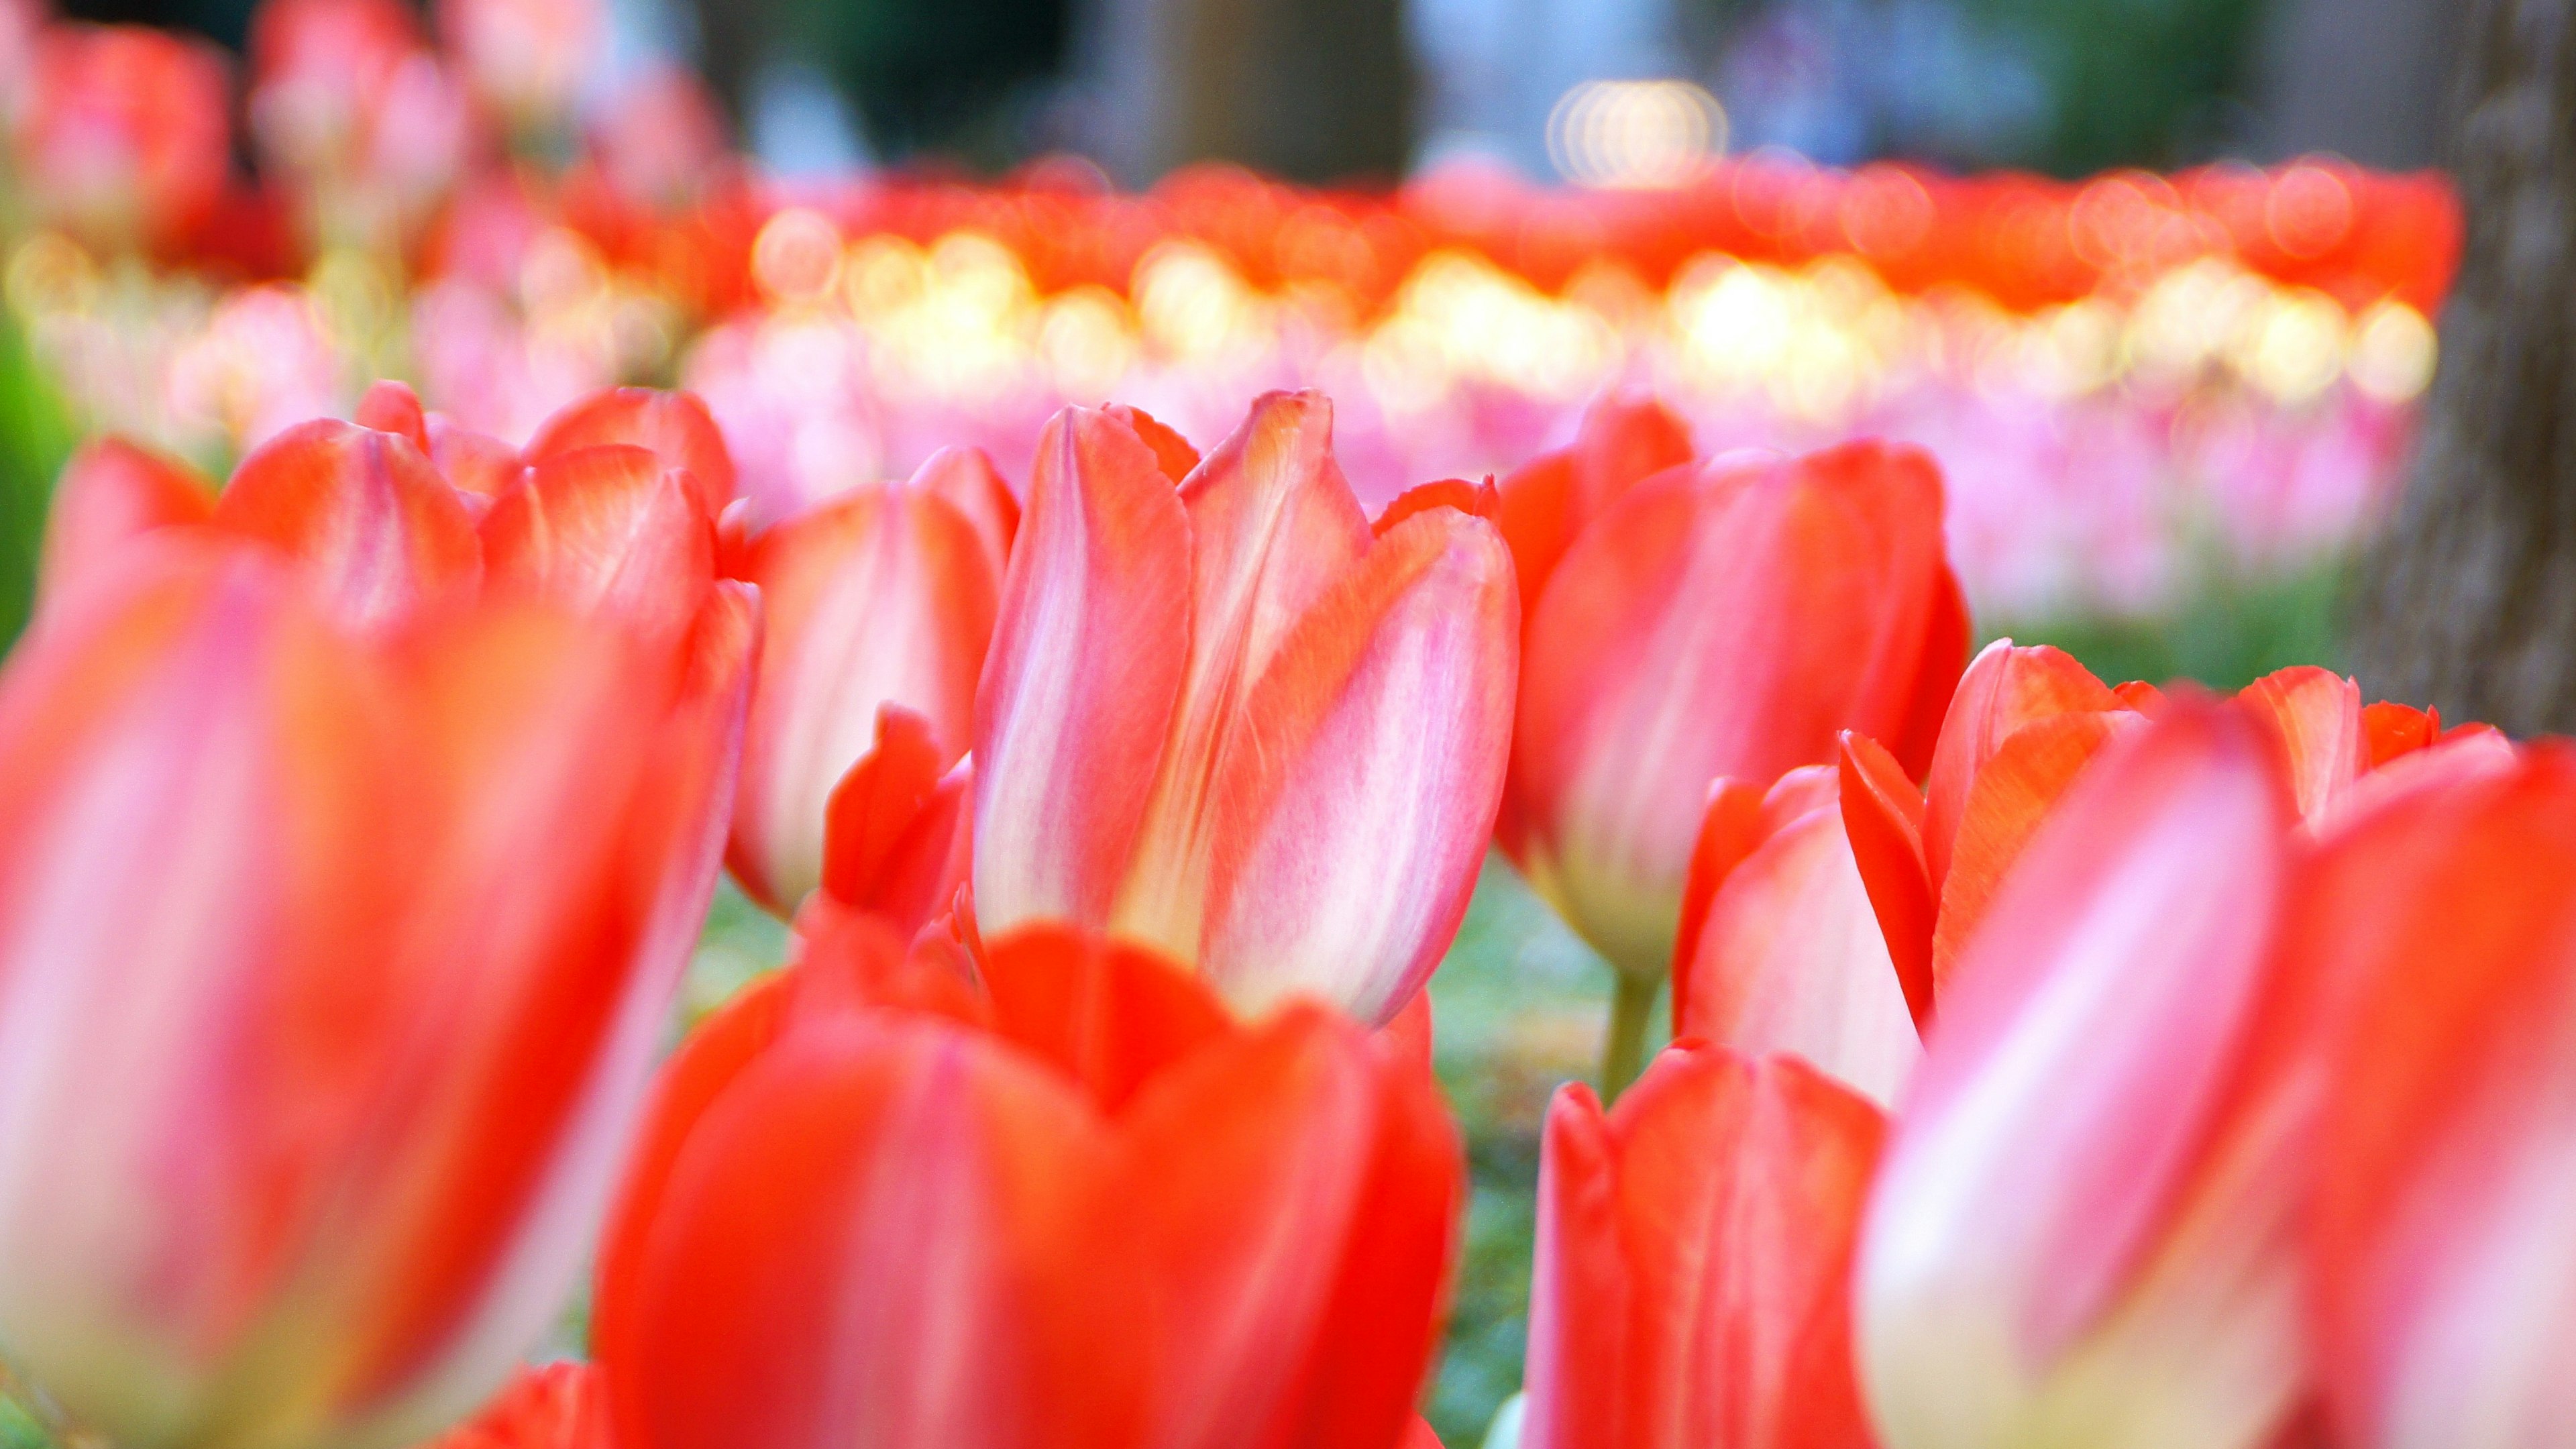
1623 1051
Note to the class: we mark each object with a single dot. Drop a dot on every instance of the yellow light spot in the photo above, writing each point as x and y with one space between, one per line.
1635 133
796 259
2393 352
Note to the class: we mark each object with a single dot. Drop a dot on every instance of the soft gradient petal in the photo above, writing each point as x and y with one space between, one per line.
109 493
675 425
364 514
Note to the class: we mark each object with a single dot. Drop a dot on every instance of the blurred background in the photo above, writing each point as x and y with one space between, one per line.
1341 90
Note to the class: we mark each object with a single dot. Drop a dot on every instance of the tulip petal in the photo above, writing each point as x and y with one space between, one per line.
1883 816
2316 714
1789 959
1172 452
392 407
2005 687
2390 730
559 1406
889 1232
894 834
1734 827
883 596
2052 1255
1477 499
1305 1190
1348 810
362 511
1083 676
675 425
1109 1015
1694 1257
112 491
2014 791
603 530
965 479
1545 505
2441 1262
474 464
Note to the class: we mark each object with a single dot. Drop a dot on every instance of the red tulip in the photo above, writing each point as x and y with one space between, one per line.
348 104
121 137
331 964
1226 721
527 59
2085 1228
883 597
2442 1286
1720 620
1779 950
1694 1260
559 1406
1085 1209
675 425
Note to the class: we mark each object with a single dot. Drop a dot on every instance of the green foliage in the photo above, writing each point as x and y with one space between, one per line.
35 438
2232 629
2132 82
19 1429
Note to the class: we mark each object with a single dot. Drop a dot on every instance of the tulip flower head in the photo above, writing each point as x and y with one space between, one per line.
1084 1207
121 138
1724 619
1694 1260
1229 720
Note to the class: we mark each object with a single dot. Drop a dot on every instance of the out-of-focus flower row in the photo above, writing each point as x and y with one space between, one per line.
2120 371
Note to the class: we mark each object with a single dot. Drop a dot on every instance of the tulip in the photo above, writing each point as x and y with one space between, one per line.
881 598
2085 1227
1779 950
1694 1260
527 59
675 425
2441 1289
1721 620
110 492
559 1406
1085 1207
121 136
1228 722
332 959
348 104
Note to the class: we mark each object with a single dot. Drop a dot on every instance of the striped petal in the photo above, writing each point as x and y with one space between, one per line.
607 531
1080 687
1348 809
2012 795
882 597
364 514
2317 716
2078 1237
1789 957
2006 687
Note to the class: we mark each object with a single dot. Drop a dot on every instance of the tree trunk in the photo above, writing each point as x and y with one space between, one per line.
2469 602
2369 80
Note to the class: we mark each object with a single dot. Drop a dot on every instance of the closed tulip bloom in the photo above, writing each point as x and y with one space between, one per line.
2085 1228
1721 619
1226 720
1693 1274
883 596
2444 1297
675 425
1779 949
1083 1208
331 962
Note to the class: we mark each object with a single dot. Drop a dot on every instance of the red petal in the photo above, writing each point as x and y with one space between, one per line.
392 407
965 479
1883 816
1945 655
2014 791
606 531
1477 499
559 1406
473 463
2005 688
1107 1014
1694 1260
2390 730
364 513
675 425
894 838
112 491
1547 504
1732 830
2316 714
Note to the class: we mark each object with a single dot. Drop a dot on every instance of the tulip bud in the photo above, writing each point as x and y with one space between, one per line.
1694 1260
1727 619
1231 722
331 963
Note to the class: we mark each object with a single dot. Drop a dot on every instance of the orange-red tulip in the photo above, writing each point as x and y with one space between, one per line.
675 425
1226 720
1724 619
880 598
332 959
1694 1260
2443 1293
110 492
558 1406
2084 1231
1083 1209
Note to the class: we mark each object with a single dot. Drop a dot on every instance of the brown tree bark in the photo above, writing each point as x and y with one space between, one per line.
2469 601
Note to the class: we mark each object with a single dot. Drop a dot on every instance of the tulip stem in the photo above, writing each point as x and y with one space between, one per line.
1623 1051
